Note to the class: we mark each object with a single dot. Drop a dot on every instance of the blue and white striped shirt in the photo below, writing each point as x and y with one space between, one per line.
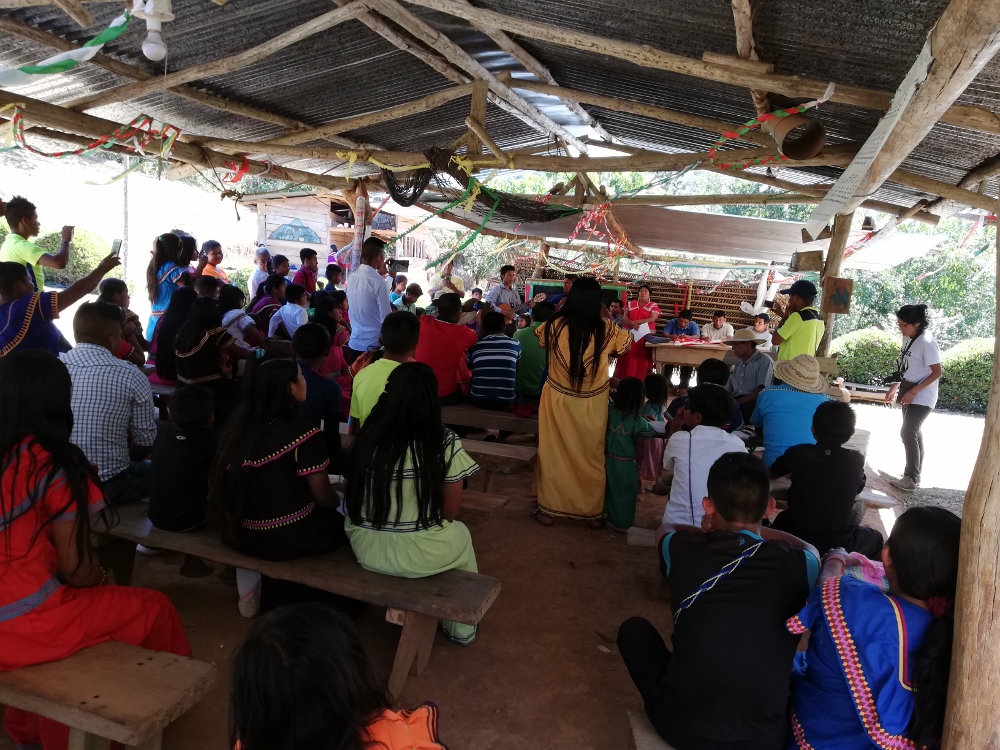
493 362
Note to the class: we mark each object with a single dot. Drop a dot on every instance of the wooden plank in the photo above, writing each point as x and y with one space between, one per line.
692 355
113 690
483 503
286 213
470 416
453 595
75 10
477 111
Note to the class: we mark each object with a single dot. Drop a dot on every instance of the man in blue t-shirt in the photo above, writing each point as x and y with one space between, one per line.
682 328
785 412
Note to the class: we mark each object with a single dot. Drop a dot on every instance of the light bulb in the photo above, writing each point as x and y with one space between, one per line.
153 47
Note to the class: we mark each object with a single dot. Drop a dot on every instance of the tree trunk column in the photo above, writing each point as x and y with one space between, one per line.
834 261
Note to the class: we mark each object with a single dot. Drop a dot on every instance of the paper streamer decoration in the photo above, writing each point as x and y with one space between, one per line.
65 60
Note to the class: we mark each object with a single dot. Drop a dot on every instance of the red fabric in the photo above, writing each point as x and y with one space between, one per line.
443 346
306 278
637 362
124 350
336 368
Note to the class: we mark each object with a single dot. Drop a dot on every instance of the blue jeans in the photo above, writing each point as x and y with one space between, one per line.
135 483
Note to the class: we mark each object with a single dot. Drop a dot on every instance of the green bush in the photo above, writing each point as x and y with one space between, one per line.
240 277
966 372
867 357
86 252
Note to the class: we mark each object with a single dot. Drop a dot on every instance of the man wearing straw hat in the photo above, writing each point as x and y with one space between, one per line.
751 374
785 411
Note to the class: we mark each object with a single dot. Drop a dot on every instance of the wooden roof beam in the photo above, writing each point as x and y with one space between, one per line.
459 57
75 10
965 39
224 65
974 118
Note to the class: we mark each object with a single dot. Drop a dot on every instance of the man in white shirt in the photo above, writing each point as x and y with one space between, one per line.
690 455
447 281
291 315
260 272
718 329
367 299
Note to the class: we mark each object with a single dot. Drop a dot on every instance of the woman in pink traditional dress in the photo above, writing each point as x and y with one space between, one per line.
638 361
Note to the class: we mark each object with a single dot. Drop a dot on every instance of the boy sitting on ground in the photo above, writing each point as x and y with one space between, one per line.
399 336
726 684
691 452
493 362
826 479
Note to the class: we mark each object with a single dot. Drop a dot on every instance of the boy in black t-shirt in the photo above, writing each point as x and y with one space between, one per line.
733 585
826 479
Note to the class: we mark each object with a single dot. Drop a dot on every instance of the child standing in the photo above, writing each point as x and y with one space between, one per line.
623 441
826 479
651 457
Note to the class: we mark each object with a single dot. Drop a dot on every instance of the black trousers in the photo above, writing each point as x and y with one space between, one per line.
913 439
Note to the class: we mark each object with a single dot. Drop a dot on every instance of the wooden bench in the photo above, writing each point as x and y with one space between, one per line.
112 692
643 736
472 416
861 392
453 595
159 389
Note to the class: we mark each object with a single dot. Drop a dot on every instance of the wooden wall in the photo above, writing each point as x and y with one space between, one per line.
306 213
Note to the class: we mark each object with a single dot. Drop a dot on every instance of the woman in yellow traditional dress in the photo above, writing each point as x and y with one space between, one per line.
573 415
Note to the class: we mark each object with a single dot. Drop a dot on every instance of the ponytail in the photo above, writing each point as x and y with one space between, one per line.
931 667
914 315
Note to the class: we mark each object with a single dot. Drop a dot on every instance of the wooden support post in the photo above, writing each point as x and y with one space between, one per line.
477 111
414 650
834 262
543 254
974 688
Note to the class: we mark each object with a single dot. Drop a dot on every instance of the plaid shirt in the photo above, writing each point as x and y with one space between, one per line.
111 401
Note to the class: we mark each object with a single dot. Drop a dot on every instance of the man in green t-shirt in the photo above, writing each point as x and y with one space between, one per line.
22 218
530 366
802 327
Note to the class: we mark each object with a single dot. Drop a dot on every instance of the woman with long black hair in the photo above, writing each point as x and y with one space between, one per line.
52 599
404 488
573 414
161 353
169 270
915 388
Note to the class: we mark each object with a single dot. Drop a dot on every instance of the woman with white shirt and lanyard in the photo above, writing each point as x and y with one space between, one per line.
915 388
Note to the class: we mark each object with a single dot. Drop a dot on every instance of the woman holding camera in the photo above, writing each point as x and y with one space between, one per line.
915 388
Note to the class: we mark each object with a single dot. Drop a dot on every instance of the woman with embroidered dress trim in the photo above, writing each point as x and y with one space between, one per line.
169 270
405 487
573 411
638 362
269 299
53 601
875 674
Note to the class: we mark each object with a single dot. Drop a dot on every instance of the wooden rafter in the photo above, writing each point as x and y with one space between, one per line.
743 19
457 56
477 112
965 39
75 10
226 64
975 118
734 199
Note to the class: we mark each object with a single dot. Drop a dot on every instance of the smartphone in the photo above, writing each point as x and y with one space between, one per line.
116 248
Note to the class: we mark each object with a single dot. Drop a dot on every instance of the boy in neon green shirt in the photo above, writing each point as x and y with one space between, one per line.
802 328
22 218
400 332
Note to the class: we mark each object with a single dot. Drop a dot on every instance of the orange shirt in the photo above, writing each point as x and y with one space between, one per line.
406 730
216 272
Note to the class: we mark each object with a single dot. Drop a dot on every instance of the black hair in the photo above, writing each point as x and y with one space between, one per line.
414 290
476 289
18 209
166 249
190 407
268 285
371 249
542 312
311 341
339 296
740 487
97 320
629 397
206 285
203 317
657 388
110 288
644 286
494 322
505 269
277 260
333 268
321 315
398 279
719 314
10 274
448 305
713 371
525 317
581 315
35 391
230 298
570 277
209 245
924 547
686 314
764 316
914 314
294 293
833 423
166 330
265 398
306 253
405 424
713 402
400 332
301 680
189 246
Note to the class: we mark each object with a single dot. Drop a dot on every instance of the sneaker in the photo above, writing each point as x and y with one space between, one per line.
906 484
144 550
250 602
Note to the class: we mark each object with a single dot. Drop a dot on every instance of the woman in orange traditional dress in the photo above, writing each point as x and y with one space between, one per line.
52 599
573 413
638 362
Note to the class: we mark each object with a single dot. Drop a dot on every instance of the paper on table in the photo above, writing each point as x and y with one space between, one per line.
638 333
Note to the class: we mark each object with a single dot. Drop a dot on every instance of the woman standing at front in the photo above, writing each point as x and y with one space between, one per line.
639 361
916 387
573 415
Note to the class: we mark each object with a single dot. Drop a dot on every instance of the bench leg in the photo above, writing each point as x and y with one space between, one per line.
155 742
80 740
487 480
414 651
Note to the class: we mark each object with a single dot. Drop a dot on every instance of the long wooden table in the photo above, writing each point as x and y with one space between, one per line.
690 355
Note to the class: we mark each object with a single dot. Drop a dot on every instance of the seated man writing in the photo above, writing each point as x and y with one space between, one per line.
681 328
718 329
726 684
752 373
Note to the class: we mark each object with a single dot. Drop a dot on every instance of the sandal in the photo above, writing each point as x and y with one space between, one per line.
543 519
597 523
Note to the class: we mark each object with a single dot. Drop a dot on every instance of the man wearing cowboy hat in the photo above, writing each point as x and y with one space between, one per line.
802 327
785 411
751 374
